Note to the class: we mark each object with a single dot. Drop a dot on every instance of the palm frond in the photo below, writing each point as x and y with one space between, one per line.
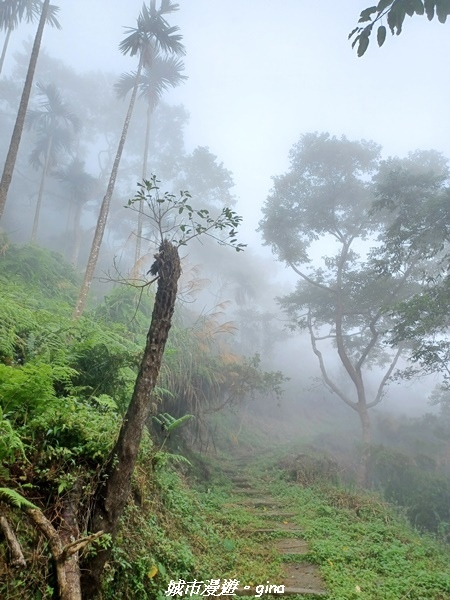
153 32
51 16
163 73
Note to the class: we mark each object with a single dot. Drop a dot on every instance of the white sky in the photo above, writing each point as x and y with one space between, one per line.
262 72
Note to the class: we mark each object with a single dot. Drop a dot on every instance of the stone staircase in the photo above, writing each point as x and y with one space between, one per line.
300 577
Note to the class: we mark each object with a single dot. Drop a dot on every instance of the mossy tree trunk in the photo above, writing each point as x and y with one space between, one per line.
113 494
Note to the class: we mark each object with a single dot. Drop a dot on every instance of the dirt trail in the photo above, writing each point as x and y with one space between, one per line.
300 577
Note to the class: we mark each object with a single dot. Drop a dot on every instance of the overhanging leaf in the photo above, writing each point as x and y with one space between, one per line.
383 4
363 43
366 14
381 35
429 8
442 10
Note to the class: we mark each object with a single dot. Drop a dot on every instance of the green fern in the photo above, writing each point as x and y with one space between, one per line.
15 499
161 459
10 443
169 423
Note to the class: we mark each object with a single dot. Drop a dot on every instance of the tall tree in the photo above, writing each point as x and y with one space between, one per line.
55 123
80 187
164 73
13 12
21 114
176 222
152 33
320 208
210 179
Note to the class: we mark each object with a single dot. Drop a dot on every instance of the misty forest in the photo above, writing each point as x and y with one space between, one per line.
224 300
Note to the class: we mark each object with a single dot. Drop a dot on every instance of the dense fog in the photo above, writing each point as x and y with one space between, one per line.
304 189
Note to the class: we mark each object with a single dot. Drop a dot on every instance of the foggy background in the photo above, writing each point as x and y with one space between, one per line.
260 75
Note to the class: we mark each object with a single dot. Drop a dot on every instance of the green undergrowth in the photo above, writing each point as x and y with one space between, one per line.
64 386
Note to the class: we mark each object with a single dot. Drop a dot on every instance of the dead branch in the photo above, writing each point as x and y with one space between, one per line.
78 545
18 560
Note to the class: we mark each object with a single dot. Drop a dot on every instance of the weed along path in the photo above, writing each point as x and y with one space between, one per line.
275 528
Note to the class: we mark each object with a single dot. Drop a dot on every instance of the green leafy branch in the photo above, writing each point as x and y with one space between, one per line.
176 220
395 12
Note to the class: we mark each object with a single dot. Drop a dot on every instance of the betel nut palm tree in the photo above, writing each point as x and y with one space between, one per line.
55 123
11 157
13 12
163 73
80 187
152 32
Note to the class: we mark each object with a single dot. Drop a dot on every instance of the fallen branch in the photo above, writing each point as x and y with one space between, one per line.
18 561
78 545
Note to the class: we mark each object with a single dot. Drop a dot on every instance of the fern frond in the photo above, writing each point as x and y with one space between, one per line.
162 458
178 422
169 423
15 499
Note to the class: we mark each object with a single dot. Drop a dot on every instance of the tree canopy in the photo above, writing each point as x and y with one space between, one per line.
416 192
319 220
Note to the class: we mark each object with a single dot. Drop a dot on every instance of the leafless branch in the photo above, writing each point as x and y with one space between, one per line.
311 281
333 387
383 382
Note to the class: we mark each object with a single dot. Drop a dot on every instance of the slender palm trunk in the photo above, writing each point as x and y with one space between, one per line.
20 120
110 499
37 212
104 209
137 253
76 234
5 46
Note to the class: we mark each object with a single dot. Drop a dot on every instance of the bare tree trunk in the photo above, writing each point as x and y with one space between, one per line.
37 212
366 426
111 498
104 209
64 554
137 253
69 532
76 235
5 46
20 120
17 558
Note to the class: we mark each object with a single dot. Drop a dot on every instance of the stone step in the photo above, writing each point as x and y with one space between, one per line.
247 491
241 482
259 503
288 591
292 546
300 591
303 576
275 513
270 530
